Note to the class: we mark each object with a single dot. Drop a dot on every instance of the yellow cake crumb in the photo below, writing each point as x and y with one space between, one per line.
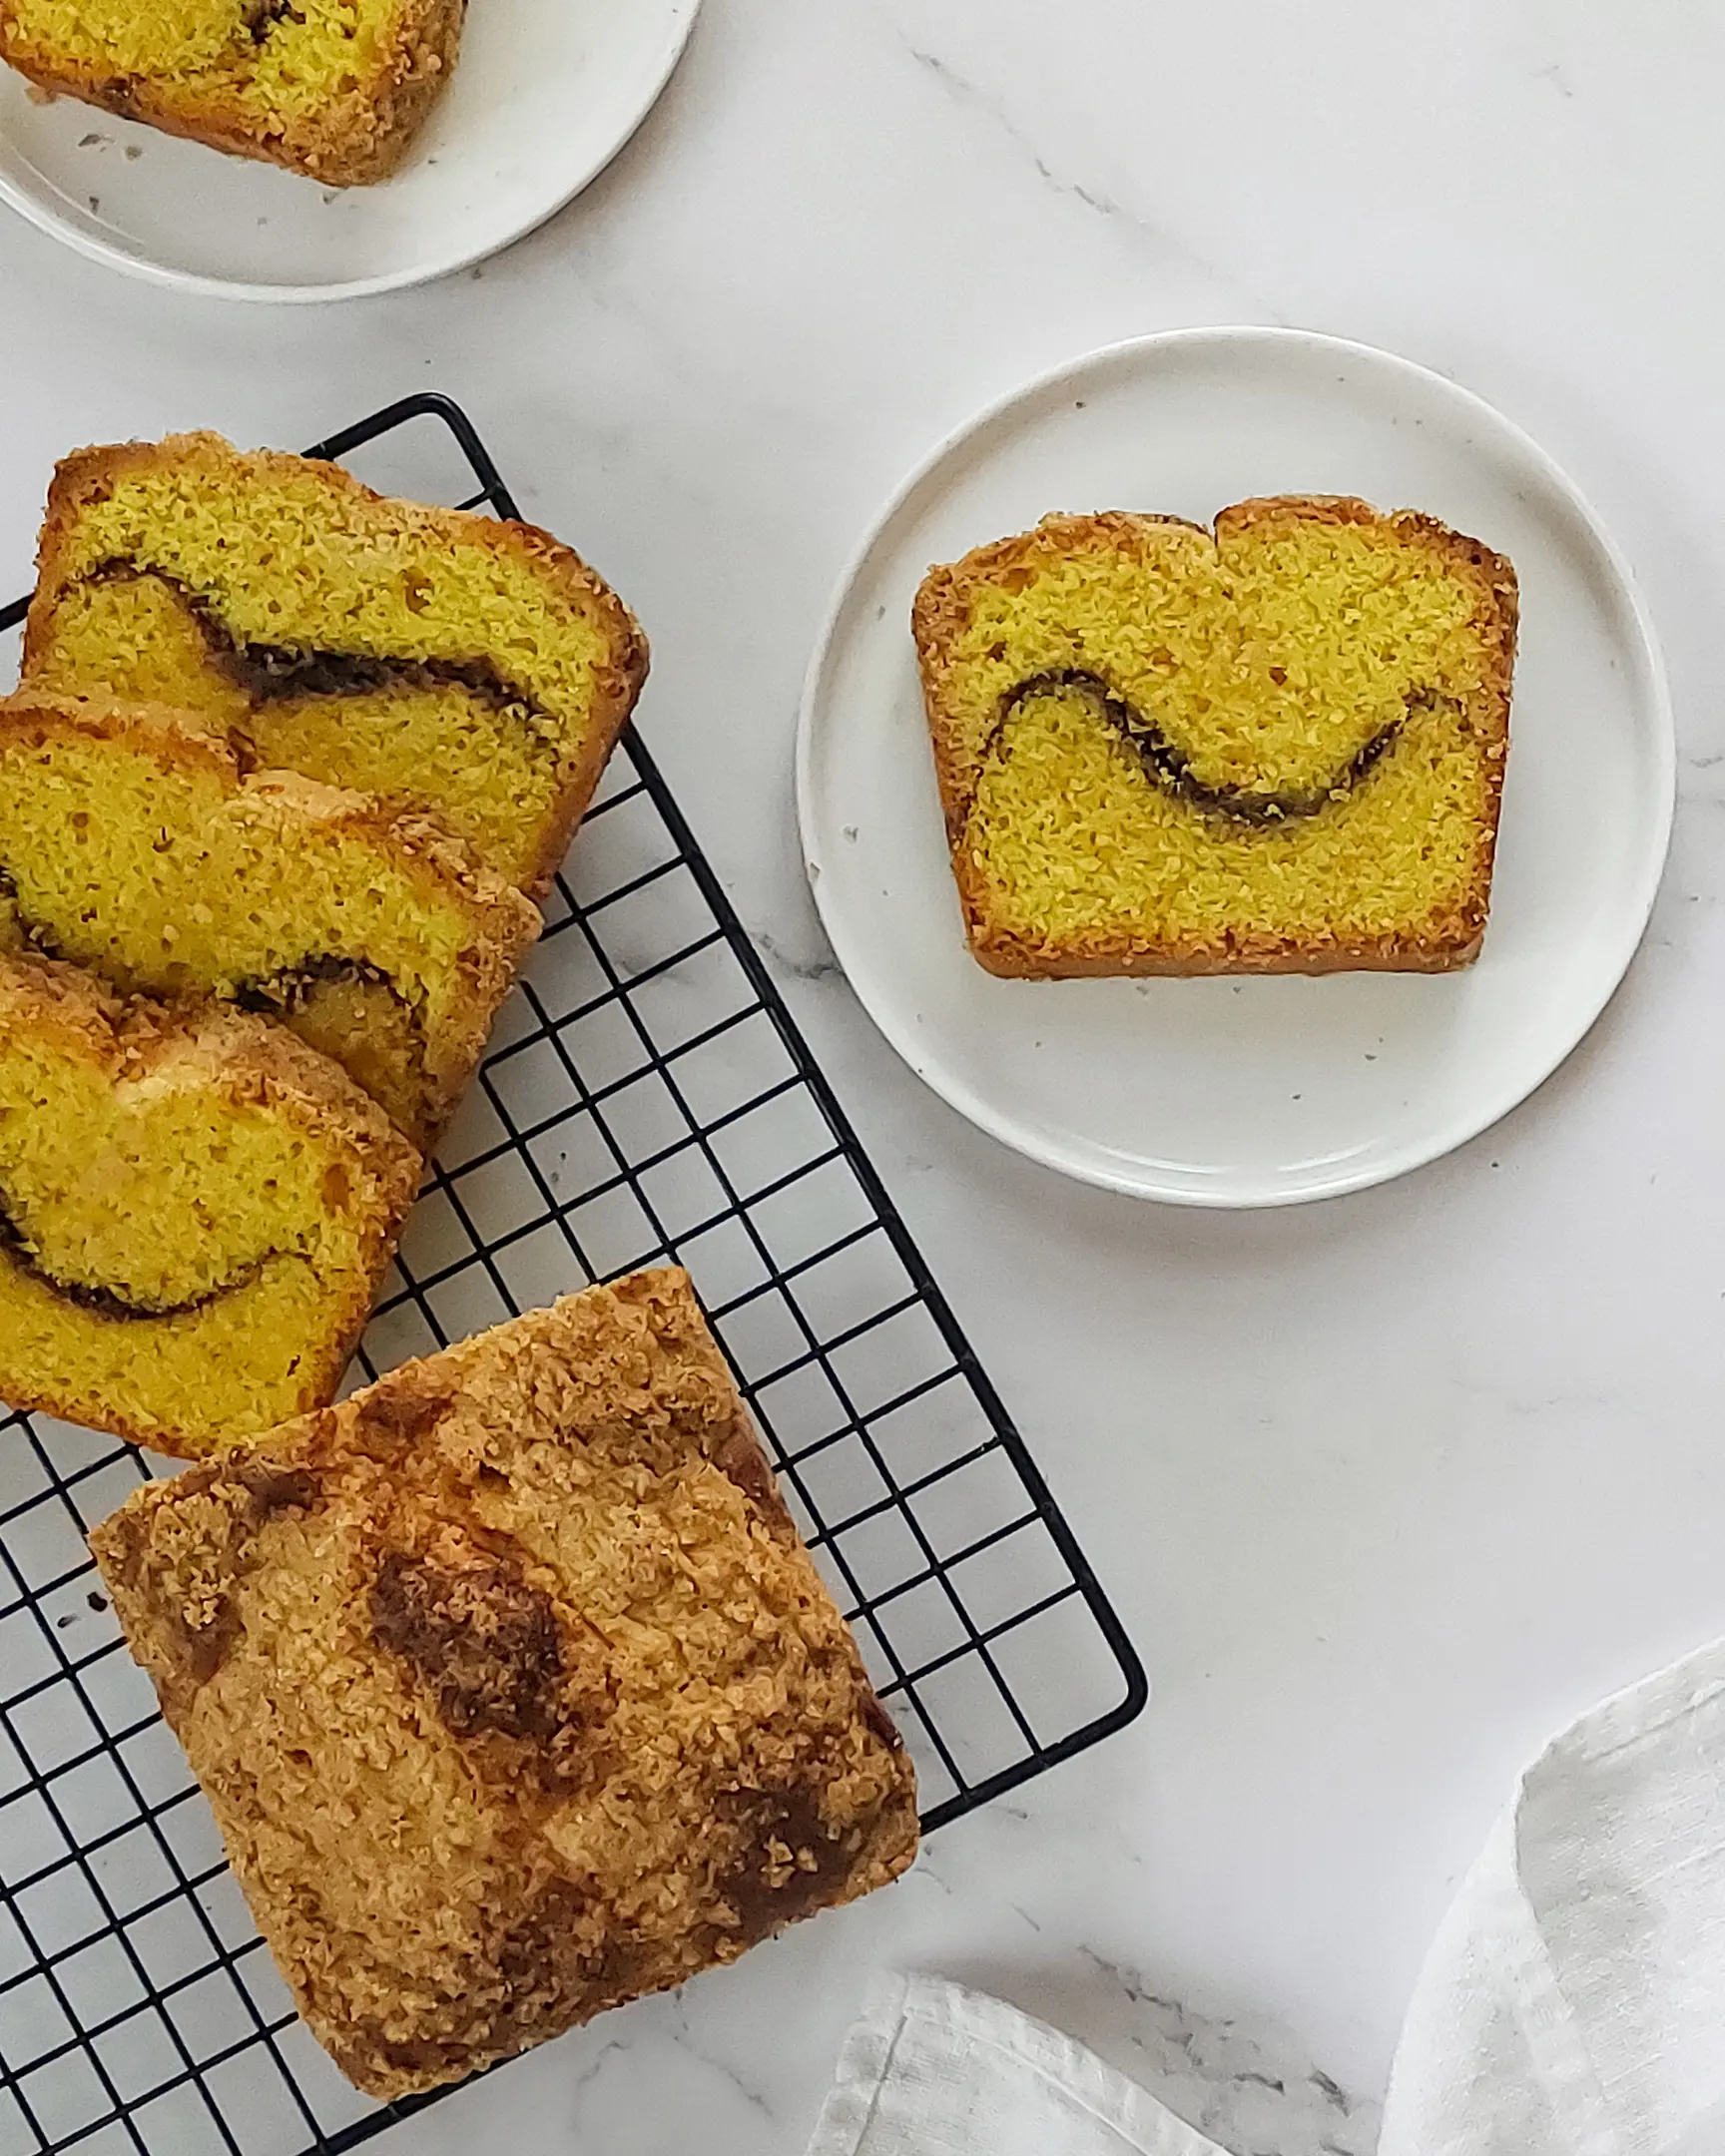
332 89
195 1211
475 670
133 844
1280 747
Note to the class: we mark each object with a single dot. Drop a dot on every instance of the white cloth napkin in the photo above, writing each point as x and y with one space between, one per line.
934 2070
1573 2004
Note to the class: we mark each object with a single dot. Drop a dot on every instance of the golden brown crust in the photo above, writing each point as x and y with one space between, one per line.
358 139
88 476
1002 954
515 1690
1440 945
130 1040
502 921
72 1006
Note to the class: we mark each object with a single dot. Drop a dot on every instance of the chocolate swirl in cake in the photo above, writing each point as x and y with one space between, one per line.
17 1249
287 996
271 673
260 17
1171 767
355 1012
16 927
480 1636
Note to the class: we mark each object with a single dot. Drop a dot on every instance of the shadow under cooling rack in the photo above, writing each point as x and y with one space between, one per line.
647 1097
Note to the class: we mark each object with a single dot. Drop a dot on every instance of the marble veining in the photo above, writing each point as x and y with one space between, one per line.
964 92
1252 2090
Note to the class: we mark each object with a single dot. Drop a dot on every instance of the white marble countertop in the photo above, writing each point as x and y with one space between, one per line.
1386 1488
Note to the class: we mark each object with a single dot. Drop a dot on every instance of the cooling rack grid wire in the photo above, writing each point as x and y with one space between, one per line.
647 1096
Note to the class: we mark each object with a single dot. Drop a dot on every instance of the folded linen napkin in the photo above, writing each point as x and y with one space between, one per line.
933 2070
1573 2004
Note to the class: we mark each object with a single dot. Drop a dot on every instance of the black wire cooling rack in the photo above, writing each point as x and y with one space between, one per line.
647 1097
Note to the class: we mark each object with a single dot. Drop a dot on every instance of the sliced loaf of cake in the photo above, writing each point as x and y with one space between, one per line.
1274 748
476 669
195 1211
135 843
513 1687
333 89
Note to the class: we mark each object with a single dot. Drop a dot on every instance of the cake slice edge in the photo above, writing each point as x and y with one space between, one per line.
140 1042
1445 941
86 474
355 140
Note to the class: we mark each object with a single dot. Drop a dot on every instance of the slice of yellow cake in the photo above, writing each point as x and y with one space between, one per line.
513 1687
195 1212
476 669
132 843
1275 747
333 89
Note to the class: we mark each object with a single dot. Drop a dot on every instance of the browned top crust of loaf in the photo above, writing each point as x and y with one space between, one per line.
88 476
512 1686
357 137
940 613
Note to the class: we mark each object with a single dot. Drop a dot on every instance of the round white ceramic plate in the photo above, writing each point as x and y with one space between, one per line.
1248 1092
545 95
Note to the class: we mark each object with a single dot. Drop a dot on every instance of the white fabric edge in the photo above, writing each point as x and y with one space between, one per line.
1489 1954
1638 1712
1491 1905
1488 1949
895 2002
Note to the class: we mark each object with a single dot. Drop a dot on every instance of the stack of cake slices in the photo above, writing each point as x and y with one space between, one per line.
511 1684
289 769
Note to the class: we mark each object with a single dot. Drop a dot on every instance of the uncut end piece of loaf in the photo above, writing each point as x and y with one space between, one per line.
476 669
333 89
195 1212
1275 747
133 841
513 1687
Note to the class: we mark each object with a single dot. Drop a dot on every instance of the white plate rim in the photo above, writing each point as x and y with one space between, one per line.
974 1107
90 245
